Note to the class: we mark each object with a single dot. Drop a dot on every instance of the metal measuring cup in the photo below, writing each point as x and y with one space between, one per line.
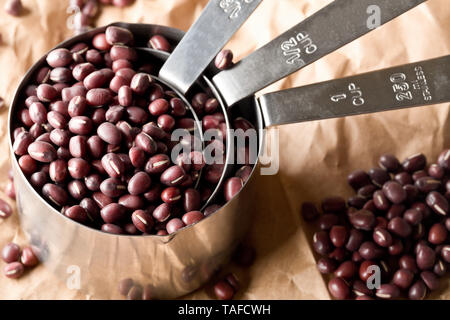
337 24
172 265
166 264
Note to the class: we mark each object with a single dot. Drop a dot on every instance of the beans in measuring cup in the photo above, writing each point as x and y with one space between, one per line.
94 138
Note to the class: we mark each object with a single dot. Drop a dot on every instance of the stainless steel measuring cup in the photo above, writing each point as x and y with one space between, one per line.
166 264
171 265
337 24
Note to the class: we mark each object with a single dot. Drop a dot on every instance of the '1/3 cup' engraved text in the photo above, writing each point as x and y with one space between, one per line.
354 93
295 46
233 7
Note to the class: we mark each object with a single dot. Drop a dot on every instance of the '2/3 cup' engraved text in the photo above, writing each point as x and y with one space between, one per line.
233 7
295 46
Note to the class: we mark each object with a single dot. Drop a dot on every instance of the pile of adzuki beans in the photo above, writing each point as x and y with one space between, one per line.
398 221
94 137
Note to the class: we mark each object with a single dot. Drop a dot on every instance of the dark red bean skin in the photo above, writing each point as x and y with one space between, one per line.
42 151
388 291
78 168
55 194
363 219
13 270
11 252
28 257
417 291
76 213
192 217
437 234
162 212
223 290
174 225
113 213
173 176
346 270
142 220
321 243
157 164
339 289
139 183
111 228
159 42
112 187
425 258
113 165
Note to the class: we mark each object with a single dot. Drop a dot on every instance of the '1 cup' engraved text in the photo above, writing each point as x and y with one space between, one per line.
233 7
355 94
296 46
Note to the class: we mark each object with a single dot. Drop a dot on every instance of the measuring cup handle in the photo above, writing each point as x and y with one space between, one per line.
339 23
218 22
416 84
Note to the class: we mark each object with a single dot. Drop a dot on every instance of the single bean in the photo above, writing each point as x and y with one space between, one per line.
173 176
430 280
116 35
363 219
414 163
159 42
113 165
388 291
28 257
46 93
139 183
394 192
142 220
389 163
400 227
403 278
42 151
13 270
162 212
55 194
98 97
224 60
437 234
131 202
113 213
174 225
192 217
437 202
112 187
59 58
339 288
417 291
426 257
76 213
112 228
378 176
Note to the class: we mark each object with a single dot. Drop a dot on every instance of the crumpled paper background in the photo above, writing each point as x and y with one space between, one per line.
314 157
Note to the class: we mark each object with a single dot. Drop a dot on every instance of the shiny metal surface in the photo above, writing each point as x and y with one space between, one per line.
218 22
172 265
337 24
416 84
